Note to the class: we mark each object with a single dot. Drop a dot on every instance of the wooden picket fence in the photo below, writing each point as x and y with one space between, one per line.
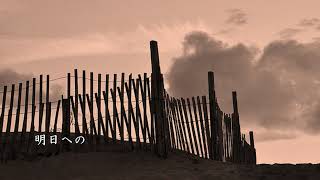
120 114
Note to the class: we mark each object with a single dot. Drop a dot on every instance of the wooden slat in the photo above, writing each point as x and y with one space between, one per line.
132 115
83 107
188 125
106 107
192 128
183 125
176 124
144 125
66 123
25 117
203 131
3 110
48 114
17 122
76 124
9 119
84 120
56 117
196 120
114 118
173 136
206 122
138 118
76 105
40 103
152 123
100 120
93 129
99 103
107 115
123 114
115 112
90 104
121 108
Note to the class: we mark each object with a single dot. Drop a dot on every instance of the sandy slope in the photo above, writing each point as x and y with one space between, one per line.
140 165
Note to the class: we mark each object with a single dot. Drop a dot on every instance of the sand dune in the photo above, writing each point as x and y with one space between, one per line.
141 165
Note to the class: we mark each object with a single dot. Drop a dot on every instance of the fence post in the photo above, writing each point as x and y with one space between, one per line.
213 115
254 158
236 129
65 124
157 92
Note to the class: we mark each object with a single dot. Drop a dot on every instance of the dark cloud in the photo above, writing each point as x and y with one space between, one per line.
9 77
277 91
236 17
289 33
273 136
309 22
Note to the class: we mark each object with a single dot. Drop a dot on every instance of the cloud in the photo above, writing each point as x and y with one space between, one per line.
273 136
309 22
278 90
289 33
236 17
9 77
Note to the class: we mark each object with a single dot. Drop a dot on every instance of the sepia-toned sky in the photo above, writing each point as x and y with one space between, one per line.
268 51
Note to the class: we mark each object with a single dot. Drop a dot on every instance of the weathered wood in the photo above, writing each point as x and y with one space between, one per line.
106 107
93 129
152 123
144 104
179 106
107 115
206 122
48 114
56 117
17 122
100 120
9 119
76 105
197 125
90 104
25 117
76 124
99 103
114 102
138 118
84 123
40 104
213 120
132 115
173 137
157 88
66 124
121 108
83 107
3 110
192 128
123 114
177 128
32 128
203 131
236 130
184 107
128 87
115 112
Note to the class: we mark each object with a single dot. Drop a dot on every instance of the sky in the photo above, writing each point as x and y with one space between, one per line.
267 51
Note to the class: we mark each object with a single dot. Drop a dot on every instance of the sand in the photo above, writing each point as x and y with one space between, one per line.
142 165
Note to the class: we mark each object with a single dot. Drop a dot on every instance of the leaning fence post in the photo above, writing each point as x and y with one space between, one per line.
157 92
